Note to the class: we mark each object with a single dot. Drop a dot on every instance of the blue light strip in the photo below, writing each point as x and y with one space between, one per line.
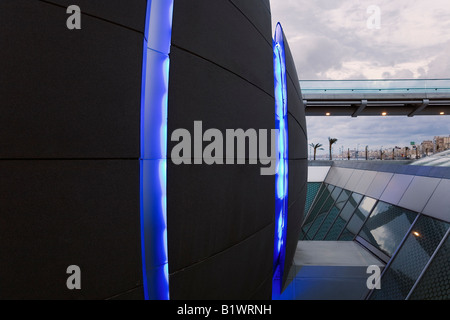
153 160
281 177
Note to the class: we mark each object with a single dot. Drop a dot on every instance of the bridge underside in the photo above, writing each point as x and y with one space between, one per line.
376 104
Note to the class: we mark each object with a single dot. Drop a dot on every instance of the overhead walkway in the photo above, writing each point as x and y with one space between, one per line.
376 97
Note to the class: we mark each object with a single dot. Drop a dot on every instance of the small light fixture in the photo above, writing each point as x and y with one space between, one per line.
416 233
442 113
384 114
328 114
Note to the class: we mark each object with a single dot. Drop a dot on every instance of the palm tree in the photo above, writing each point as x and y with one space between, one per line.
316 147
332 141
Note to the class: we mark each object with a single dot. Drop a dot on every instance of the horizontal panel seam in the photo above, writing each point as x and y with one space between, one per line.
248 19
95 17
220 252
224 68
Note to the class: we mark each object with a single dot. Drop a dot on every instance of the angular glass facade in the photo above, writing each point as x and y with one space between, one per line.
332 214
387 226
414 246
313 189
410 261
359 216
435 283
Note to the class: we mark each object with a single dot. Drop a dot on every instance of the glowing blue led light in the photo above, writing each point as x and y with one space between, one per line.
153 160
281 177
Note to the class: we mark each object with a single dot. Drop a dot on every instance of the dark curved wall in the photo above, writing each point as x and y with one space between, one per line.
70 104
221 217
298 159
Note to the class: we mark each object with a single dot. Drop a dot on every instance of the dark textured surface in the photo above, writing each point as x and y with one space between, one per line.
224 35
70 147
220 217
298 163
203 91
226 275
57 213
70 127
129 13
67 94
212 208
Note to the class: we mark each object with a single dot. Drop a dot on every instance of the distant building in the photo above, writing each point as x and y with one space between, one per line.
427 147
442 143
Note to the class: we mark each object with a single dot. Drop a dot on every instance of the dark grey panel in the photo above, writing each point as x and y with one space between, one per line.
258 15
294 223
202 91
238 273
296 207
297 140
296 106
298 171
212 208
130 13
60 213
220 217
264 291
222 34
133 294
266 3
67 94
295 100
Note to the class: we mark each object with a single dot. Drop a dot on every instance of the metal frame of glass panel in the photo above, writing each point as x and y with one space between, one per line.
325 214
369 295
315 213
322 189
321 204
365 219
319 188
367 243
444 239
350 216
401 246
372 249
344 192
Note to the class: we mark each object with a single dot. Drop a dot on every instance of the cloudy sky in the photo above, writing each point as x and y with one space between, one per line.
330 40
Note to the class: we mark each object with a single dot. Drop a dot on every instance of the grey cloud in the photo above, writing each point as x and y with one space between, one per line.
321 42
330 37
